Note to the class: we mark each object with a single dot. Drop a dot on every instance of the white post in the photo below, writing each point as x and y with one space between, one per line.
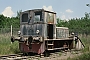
11 30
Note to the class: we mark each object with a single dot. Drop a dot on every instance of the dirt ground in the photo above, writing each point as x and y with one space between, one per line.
62 56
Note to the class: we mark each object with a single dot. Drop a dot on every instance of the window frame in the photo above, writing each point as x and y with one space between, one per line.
22 16
38 13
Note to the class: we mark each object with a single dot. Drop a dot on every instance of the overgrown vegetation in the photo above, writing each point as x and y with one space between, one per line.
5 44
84 56
85 51
6 47
80 26
6 22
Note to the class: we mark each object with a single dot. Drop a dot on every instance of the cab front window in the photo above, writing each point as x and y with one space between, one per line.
38 16
25 17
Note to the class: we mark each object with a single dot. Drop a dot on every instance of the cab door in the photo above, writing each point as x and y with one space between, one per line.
50 31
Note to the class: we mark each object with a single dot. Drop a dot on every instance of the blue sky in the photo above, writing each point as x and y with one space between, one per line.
65 9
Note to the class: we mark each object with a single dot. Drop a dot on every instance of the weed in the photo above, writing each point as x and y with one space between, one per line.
68 58
38 58
85 51
60 53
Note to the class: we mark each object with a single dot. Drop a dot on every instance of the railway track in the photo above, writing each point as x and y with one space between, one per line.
20 56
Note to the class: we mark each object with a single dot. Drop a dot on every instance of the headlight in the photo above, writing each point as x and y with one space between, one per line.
19 32
37 31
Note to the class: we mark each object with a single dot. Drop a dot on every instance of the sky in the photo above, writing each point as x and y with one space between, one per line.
65 9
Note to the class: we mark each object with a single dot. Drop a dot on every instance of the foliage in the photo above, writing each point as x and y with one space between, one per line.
75 24
6 47
85 51
18 13
7 22
84 56
79 25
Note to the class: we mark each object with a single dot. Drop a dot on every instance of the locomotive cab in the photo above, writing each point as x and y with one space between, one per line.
36 26
39 24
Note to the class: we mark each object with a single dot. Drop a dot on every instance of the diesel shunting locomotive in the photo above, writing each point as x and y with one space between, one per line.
38 33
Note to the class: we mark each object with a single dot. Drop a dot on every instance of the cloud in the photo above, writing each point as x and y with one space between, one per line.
65 17
49 8
8 12
69 11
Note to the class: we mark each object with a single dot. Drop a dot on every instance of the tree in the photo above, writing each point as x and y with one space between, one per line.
77 24
6 22
18 13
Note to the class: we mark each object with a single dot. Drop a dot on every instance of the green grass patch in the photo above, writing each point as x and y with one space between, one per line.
60 53
6 47
85 51
86 41
84 56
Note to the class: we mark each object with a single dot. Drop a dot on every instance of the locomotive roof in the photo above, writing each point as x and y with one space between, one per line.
40 10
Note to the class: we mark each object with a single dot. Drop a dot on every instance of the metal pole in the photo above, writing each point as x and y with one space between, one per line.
11 30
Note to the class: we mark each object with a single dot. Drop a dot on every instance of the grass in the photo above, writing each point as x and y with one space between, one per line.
60 53
84 56
86 41
6 47
85 51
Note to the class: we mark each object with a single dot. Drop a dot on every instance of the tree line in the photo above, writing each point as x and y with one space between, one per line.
6 22
78 25
75 24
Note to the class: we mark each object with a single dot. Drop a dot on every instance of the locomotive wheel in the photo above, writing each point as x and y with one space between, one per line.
66 44
25 54
46 53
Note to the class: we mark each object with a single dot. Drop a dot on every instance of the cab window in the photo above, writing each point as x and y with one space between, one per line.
38 16
25 17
